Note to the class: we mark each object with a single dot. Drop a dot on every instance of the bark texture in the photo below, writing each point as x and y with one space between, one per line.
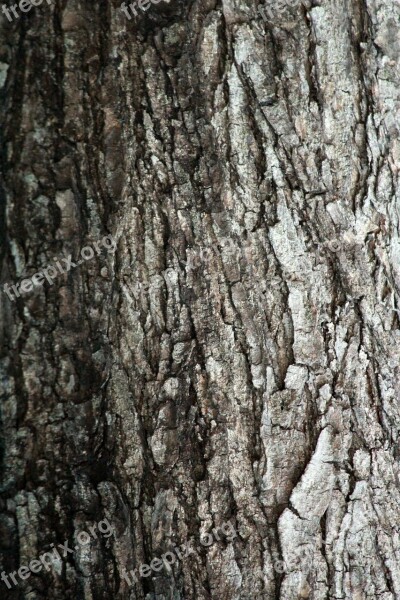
237 357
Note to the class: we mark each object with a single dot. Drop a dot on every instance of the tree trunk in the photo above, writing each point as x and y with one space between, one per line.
234 359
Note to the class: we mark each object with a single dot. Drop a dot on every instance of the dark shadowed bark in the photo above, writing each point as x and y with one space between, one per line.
235 357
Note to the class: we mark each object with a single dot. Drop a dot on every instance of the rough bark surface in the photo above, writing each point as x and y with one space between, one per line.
237 357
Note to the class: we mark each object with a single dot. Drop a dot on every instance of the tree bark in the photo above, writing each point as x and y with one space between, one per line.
236 357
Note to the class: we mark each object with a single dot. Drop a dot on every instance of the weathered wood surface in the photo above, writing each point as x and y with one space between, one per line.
237 357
